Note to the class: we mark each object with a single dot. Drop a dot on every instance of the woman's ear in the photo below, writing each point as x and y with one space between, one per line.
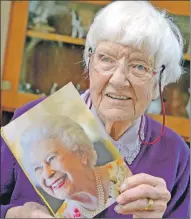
84 159
155 93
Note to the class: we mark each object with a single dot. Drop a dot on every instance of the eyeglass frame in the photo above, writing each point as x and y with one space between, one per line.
152 72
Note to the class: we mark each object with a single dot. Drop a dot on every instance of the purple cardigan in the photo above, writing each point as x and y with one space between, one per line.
169 159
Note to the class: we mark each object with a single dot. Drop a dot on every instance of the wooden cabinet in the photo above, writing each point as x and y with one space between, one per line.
19 68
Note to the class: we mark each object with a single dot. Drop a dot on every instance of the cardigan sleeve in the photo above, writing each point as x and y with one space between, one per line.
16 189
179 205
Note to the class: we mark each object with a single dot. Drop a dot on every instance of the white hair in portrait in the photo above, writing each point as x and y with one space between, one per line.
139 24
62 127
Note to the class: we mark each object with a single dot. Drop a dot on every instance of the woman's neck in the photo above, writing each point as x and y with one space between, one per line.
87 192
86 200
89 199
104 175
117 128
114 128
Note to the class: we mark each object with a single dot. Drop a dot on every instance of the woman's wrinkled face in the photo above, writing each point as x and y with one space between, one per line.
121 81
57 169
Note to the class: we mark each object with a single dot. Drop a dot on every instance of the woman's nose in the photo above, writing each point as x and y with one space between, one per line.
47 171
119 77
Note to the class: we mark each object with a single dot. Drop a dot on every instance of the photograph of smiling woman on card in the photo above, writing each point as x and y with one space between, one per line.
63 160
66 156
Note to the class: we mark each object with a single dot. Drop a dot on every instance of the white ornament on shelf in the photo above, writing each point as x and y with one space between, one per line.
42 9
154 107
77 29
53 89
188 106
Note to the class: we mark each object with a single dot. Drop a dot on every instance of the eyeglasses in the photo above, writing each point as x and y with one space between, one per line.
134 70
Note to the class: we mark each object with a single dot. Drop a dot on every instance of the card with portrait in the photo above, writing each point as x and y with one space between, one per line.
66 156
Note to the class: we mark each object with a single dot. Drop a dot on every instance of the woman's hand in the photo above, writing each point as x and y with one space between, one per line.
136 192
28 210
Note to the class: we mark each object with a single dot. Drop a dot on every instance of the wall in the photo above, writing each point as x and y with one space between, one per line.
5 15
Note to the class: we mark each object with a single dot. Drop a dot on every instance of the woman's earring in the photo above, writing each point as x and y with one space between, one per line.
84 159
90 51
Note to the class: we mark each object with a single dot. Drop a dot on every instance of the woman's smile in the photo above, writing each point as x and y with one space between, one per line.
60 182
117 100
117 97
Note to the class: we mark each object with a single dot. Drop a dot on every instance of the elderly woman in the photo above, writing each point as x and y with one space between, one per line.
132 52
63 160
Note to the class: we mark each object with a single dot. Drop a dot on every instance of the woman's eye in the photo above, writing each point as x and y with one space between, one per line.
51 159
107 59
140 67
37 169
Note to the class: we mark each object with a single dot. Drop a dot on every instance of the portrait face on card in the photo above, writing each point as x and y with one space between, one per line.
66 156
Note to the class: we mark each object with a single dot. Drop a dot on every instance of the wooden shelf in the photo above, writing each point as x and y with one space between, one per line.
67 39
11 101
187 57
181 7
178 124
96 2
55 37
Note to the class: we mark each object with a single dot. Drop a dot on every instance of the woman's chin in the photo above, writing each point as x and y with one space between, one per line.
116 115
50 192
62 195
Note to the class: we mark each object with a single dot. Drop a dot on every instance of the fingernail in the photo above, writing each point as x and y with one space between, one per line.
123 187
119 199
117 208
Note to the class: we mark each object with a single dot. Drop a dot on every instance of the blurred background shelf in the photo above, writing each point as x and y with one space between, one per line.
177 124
67 39
96 2
55 37
175 7
10 104
187 57
44 58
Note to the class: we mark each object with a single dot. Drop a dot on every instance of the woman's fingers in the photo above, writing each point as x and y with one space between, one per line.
137 190
40 214
140 205
14 212
32 206
141 192
146 214
35 210
142 178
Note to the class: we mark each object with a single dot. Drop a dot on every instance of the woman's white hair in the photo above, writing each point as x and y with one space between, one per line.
64 128
139 24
